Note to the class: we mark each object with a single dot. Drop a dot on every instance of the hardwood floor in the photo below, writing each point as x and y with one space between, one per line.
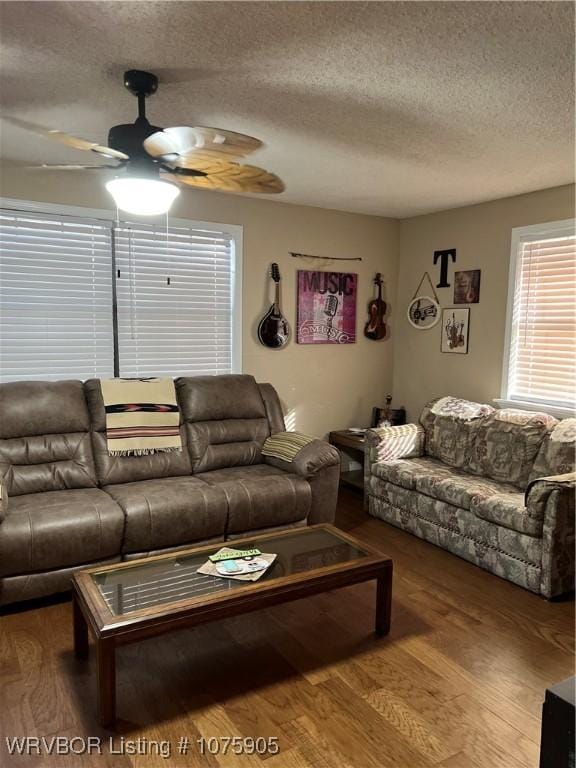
458 683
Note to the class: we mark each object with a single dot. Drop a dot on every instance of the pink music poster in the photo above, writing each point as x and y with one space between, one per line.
326 307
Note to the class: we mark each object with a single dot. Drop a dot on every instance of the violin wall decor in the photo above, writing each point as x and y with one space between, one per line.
375 328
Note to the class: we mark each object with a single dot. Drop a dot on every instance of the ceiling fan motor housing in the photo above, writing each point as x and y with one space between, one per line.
140 83
128 138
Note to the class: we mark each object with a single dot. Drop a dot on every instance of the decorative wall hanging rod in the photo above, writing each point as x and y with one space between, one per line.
328 258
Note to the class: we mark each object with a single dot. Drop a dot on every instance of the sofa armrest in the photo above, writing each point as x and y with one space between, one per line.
389 443
319 463
553 499
309 460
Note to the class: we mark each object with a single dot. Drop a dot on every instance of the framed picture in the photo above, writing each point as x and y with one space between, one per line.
455 327
326 307
467 287
423 312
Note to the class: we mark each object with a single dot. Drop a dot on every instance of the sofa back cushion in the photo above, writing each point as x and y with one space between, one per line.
44 437
557 454
451 424
112 470
226 420
507 443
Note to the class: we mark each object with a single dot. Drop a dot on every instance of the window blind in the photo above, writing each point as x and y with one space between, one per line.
542 365
55 297
174 294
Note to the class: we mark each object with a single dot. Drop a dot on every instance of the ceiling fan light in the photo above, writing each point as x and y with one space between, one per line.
143 197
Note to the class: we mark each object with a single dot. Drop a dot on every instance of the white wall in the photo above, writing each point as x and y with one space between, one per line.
481 234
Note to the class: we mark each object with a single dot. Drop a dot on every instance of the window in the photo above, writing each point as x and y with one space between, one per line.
540 354
84 296
55 298
174 301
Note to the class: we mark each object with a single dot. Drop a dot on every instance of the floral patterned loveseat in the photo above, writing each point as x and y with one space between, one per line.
495 487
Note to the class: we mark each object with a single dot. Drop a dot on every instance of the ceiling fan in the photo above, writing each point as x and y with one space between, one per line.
152 161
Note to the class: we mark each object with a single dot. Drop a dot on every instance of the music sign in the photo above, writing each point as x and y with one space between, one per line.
326 307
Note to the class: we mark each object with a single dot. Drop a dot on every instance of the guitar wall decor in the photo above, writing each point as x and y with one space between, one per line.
273 329
375 328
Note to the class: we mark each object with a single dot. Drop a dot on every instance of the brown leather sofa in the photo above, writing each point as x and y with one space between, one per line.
69 504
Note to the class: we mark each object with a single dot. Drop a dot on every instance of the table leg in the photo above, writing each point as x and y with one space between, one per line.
106 655
383 601
80 630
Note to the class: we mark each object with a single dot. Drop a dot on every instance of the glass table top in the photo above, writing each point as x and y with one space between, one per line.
170 579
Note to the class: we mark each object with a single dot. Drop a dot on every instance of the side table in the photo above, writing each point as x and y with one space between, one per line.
558 711
351 444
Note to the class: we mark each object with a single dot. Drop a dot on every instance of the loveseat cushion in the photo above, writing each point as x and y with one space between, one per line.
260 496
451 425
506 445
56 529
557 454
508 509
405 472
500 503
169 511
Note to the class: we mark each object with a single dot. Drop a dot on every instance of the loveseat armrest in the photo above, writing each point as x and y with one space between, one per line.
319 463
389 443
553 499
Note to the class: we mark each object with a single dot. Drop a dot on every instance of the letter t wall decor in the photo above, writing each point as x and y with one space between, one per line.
444 256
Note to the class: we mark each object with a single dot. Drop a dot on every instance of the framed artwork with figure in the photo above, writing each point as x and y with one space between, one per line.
467 286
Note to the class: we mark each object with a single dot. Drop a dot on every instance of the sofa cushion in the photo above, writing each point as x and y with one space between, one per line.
44 437
169 511
501 503
47 463
451 425
459 488
57 529
260 496
226 420
508 509
30 408
506 445
403 472
113 470
557 454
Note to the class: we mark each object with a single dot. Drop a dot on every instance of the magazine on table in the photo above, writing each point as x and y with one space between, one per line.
237 564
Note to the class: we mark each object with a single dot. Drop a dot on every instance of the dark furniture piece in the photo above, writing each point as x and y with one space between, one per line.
558 714
351 444
129 602
67 504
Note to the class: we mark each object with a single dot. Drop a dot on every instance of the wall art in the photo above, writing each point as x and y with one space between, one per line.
326 307
467 286
455 327
444 256
424 311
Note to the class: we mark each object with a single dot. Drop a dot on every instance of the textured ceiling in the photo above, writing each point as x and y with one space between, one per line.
386 108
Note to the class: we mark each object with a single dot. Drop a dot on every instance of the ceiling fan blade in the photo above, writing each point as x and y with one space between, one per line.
67 139
185 142
229 177
56 167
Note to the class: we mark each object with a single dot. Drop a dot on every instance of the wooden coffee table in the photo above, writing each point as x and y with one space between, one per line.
127 602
